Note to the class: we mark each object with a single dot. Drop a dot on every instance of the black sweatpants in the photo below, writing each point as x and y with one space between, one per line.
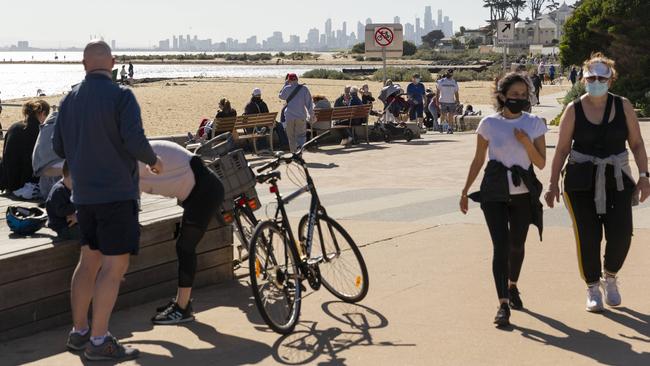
199 208
588 228
508 223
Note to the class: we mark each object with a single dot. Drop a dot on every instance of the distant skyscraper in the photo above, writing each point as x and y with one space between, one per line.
428 19
175 43
361 32
343 40
447 27
328 32
409 32
113 44
313 38
396 20
418 30
439 19
368 21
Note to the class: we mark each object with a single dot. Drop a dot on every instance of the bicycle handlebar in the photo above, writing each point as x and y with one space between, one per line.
273 164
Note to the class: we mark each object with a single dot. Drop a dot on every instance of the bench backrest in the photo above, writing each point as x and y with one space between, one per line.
221 125
256 120
357 111
323 115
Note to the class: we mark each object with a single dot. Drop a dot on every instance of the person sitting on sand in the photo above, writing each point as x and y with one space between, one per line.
16 174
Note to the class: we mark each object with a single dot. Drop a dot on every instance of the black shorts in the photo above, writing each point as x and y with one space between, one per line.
112 228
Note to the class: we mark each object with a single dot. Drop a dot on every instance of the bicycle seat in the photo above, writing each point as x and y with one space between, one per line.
263 178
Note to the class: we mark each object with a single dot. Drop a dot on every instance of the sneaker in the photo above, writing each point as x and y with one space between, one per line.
78 342
110 350
594 299
515 299
163 307
610 288
173 314
502 318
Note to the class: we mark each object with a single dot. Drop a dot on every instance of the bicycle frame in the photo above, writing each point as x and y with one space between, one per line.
315 210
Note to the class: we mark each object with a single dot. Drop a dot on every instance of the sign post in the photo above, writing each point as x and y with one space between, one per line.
505 36
384 40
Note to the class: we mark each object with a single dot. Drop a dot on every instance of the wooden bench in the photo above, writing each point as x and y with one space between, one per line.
337 114
255 126
221 125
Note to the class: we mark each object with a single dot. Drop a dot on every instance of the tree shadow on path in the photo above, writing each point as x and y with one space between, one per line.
593 344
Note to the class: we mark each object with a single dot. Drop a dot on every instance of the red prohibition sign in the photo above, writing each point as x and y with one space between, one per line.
384 36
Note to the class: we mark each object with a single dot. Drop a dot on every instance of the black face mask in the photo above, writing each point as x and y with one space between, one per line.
517 105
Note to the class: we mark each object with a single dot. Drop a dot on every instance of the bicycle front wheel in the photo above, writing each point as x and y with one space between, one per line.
245 222
275 277
342 268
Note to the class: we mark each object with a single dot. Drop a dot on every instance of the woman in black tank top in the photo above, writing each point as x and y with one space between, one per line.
598 185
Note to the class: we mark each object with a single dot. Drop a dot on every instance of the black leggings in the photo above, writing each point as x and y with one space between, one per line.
588 228
508 223
199 208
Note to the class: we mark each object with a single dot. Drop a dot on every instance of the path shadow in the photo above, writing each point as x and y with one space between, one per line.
593 344
352 149
632 319
309 343
322 166
423 142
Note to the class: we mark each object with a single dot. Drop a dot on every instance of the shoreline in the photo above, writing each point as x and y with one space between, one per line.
223 62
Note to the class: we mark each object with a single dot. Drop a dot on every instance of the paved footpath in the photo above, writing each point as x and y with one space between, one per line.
431 299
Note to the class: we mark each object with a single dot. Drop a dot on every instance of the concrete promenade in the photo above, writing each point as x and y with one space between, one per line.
432 297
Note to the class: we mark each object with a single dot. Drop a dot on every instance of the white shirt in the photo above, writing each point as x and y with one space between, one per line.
177 179
503 145
447 89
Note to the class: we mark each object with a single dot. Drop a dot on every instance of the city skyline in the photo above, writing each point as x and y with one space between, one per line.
261 20
318 39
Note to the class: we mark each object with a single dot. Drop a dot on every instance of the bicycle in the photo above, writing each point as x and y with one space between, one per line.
278 263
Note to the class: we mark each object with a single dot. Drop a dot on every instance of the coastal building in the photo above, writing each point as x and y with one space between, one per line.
546 30
361 31
163 45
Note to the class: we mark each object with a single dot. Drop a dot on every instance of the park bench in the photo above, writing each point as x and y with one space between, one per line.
255 126
223 125
325 118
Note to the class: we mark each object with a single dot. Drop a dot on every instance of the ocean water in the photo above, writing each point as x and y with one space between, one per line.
24 80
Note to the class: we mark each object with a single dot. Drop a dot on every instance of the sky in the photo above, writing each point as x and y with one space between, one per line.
143 23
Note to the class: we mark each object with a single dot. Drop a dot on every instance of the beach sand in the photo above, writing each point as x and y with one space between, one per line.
176 106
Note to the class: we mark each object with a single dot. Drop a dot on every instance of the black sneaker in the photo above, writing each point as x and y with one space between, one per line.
78 342
515 299
110 350
502 318
162 308
173 314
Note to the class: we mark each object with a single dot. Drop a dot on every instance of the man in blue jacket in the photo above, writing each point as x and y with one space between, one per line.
99 132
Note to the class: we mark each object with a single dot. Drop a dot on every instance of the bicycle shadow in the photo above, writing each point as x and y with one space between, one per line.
306 345
632 319
593 344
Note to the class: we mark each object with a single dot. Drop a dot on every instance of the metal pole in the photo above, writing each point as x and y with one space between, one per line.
504 57
383 56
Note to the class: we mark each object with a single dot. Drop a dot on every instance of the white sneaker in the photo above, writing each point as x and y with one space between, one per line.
594 299
610 288
344 142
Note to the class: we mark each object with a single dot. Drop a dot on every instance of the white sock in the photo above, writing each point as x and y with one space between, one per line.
81 332
99 340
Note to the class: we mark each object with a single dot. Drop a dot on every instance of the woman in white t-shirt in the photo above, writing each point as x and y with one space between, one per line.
509 195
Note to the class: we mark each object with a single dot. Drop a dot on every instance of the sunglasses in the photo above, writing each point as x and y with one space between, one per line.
602 79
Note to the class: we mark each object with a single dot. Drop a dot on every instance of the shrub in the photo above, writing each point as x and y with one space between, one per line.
402 74
326 74
359 58
358 48
574 93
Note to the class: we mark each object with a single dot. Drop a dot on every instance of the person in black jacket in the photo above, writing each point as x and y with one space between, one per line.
256 104
225 110
61 213
19 145
510 192
537 84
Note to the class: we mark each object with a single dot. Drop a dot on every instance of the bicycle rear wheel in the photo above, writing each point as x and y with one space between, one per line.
342 268
275 277
245 222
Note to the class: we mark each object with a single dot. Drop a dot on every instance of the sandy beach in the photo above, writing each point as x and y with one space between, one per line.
177 106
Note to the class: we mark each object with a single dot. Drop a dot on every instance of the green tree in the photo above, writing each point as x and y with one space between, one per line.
619 29
432 38
359 48
409 48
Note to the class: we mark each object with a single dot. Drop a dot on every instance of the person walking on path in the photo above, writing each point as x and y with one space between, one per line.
200 193
123 75
537 84
448 99
573 76
99 133
510 192
130 71
599 189
416 96
298 110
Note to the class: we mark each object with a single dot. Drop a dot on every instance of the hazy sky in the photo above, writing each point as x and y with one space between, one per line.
144 22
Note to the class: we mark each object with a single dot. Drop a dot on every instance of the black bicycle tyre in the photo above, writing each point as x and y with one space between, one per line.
248 215
293 319
408 134
357 253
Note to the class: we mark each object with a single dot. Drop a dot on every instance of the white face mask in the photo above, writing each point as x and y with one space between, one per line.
597 88
417 80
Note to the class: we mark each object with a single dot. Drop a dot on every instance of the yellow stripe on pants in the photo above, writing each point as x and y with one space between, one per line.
569 207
